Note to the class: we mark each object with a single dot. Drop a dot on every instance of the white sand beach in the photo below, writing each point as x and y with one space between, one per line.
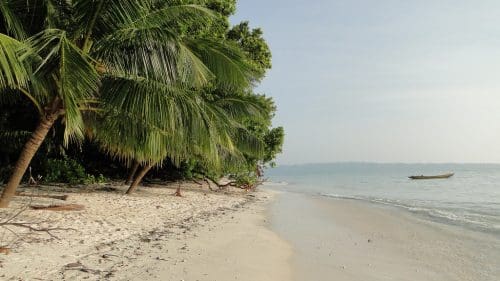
236 235
151 235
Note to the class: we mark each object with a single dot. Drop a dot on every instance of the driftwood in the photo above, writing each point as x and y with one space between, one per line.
4 250
30 227
209 183
222 186
11 223
59 197
68 207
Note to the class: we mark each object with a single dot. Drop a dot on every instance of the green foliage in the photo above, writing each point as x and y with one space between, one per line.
144 80
246 180
273 139
253 44
68 171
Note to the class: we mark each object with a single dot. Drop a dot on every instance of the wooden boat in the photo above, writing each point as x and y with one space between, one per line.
422 177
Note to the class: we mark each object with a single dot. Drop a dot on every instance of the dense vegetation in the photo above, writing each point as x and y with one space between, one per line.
96 89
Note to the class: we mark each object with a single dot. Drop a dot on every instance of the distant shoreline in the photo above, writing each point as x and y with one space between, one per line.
386 163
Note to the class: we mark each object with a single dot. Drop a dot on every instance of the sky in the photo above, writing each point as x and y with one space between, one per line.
383 80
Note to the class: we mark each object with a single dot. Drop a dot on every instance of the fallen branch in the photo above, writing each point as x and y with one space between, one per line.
68 207
219 185
58 197
208 183
29 226
11 223
197 182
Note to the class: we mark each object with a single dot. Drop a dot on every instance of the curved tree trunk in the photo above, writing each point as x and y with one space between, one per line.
139 178
133 171
29 150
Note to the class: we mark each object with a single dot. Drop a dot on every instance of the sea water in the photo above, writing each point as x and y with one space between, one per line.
471 198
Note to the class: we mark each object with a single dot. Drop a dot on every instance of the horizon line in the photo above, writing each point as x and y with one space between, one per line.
387 163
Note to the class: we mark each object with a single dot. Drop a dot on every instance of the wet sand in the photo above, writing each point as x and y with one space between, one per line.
335 239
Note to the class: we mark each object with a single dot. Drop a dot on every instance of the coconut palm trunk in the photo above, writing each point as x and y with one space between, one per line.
133 171
139 178
29 150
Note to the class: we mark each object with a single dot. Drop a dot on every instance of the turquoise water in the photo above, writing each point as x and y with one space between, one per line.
470 199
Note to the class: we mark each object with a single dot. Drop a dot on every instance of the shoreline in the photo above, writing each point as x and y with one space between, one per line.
263 235
154 235
356 240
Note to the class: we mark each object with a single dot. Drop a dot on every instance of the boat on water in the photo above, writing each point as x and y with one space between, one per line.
422 177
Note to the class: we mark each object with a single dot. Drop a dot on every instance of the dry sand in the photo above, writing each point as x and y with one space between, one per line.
150 236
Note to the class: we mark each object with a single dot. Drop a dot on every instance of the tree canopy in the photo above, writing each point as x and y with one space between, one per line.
146 82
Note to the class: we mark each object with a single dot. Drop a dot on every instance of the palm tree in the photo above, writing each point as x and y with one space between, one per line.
195 126
63 56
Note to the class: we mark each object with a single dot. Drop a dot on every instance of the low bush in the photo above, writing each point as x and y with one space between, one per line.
69 171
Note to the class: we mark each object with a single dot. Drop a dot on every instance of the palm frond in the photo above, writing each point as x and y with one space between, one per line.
240 107
14 71
11 21
225 61
149 52
172 16
98 18
79 82
76 76
168 117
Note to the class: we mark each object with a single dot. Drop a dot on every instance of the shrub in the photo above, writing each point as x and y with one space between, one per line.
69 171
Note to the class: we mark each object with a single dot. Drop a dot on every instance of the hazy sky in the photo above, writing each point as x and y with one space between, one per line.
383 80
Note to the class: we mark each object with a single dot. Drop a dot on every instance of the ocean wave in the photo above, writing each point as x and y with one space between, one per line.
474 218
275 183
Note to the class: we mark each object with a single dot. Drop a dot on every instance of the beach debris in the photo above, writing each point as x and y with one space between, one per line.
146 240
58 197
4 250
107 256
73 264
67 207
369 240
178 191
80 267
107 189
